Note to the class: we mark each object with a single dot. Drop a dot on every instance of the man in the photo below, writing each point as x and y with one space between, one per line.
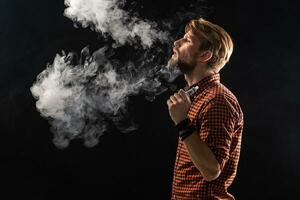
210 122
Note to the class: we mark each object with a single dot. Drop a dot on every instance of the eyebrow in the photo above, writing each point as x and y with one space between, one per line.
188 36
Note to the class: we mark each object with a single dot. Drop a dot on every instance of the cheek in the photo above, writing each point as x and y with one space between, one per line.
192 54
186 53
188 56
183 54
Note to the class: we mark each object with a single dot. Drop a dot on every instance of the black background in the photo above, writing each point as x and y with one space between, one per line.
263 73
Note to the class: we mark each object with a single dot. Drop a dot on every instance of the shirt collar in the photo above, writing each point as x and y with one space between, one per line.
204 83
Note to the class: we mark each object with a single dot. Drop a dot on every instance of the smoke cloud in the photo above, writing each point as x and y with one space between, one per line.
80 99
106 17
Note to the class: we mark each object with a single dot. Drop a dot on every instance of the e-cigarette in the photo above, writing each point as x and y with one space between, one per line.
192 90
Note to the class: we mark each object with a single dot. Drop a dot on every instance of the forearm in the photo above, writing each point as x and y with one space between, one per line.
202 157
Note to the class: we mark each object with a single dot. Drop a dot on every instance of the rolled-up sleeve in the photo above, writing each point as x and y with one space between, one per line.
217 122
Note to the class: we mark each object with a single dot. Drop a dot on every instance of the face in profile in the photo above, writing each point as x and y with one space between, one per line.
185 52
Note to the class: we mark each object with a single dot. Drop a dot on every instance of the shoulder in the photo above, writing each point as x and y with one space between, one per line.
219 92
219 96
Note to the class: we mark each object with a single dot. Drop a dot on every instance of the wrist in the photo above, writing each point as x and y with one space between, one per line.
183 124
180 120
185 128
187 133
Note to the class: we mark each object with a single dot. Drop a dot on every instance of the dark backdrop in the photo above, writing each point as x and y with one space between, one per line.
263 74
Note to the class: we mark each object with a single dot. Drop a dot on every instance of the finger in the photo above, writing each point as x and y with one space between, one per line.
173 99
178 97
184 95
169 102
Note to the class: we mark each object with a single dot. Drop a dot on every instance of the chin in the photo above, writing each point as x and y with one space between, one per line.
173 62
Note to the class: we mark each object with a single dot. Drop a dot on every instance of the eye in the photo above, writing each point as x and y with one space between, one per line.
187 39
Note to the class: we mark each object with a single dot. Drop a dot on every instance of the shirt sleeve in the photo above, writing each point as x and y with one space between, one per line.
217 128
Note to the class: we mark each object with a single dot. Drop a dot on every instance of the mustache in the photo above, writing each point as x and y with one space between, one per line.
175 50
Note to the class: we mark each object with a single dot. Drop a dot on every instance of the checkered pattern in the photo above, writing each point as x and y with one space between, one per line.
218 117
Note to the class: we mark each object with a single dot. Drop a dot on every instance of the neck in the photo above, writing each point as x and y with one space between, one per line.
197 75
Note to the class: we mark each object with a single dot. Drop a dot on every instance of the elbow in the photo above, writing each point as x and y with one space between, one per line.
212 174
212 177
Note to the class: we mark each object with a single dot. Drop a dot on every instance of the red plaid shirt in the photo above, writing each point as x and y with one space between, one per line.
218 117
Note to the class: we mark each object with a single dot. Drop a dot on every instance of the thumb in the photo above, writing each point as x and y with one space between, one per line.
184 95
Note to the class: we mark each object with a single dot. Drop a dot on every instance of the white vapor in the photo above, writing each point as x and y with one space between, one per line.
106 17
79 98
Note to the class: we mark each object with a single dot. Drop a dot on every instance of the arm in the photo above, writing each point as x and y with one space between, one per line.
202 157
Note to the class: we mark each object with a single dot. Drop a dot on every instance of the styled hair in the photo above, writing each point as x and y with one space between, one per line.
213 38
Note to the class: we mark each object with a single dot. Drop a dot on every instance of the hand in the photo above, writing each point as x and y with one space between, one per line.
179 104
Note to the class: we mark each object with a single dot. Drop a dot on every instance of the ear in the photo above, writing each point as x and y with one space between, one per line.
205 56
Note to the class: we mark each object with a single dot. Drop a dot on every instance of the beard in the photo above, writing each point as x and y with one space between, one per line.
184 67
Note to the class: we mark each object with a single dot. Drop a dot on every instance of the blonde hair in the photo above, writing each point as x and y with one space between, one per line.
213 38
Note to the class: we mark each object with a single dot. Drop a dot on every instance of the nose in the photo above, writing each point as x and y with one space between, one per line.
177 43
